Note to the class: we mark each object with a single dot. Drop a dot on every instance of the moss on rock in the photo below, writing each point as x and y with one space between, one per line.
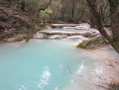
92 43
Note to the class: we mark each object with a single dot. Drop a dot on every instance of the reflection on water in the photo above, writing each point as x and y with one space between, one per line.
44 78
98 70
80 68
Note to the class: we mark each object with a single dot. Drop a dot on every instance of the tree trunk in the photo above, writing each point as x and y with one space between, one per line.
92 21
114 23
73 10
23 5
114 41
96 18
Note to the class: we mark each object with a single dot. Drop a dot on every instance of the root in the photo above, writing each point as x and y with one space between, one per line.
85 79
111 65
73 73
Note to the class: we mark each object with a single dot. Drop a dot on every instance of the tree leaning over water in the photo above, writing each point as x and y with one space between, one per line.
97 20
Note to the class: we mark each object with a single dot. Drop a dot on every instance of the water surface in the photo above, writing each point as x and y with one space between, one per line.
42 65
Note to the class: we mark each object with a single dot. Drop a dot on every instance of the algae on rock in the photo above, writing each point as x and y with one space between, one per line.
92 43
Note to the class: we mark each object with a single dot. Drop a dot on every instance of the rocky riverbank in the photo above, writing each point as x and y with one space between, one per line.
110 73
90 38
15 24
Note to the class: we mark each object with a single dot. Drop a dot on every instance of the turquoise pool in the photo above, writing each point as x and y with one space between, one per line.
42 65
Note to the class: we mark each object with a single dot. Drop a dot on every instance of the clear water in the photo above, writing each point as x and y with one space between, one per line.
42 65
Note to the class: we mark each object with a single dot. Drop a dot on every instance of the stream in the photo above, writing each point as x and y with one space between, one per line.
47 64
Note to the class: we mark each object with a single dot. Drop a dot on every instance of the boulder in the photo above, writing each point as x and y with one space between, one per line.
92 43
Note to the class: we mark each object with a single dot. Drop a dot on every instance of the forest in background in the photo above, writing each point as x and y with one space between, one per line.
58 11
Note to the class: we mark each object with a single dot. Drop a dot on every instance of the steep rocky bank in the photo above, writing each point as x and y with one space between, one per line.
13 21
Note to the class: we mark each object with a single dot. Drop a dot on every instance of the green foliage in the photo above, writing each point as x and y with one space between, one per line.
82 45
41 28
45 16
86 44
